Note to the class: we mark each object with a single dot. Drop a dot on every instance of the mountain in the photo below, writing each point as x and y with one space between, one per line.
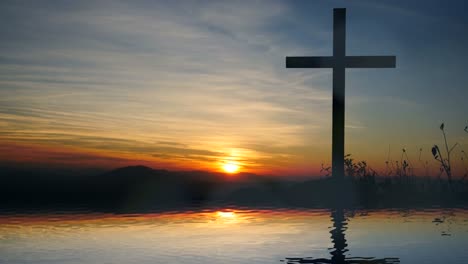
127 187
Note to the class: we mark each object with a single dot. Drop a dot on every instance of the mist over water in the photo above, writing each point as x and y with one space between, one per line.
236 235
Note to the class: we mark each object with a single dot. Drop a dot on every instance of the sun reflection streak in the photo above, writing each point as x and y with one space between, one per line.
222 214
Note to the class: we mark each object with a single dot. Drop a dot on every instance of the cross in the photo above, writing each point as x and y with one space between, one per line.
339 62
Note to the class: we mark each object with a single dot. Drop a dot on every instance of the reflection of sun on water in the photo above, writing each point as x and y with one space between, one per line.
226 214
226 217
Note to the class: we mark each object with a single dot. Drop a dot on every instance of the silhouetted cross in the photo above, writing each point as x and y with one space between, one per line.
339 62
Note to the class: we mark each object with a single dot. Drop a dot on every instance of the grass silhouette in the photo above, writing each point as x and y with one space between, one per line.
445 164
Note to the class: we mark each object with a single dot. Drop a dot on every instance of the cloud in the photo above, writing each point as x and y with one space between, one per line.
208 77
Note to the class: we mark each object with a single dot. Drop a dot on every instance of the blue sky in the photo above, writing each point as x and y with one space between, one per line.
204 82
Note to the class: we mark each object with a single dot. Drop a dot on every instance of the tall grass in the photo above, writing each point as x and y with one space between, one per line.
425 164
402 172
464 158
445 163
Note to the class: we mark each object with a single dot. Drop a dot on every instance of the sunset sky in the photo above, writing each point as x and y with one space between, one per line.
197 84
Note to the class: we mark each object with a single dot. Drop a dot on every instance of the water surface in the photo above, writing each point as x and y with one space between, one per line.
230 235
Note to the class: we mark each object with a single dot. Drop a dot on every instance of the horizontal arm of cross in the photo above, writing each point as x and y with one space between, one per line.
310 62
349 62
370 61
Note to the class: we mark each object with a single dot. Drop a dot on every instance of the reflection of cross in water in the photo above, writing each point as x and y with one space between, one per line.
339 62
340 247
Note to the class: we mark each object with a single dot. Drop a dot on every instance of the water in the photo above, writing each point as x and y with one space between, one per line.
230 235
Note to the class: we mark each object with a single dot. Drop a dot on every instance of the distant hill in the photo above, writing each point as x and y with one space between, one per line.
127 187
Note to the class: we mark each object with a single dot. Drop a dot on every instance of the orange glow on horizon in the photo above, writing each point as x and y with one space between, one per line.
229 161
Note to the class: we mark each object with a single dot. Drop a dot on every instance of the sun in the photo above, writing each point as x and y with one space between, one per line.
230 167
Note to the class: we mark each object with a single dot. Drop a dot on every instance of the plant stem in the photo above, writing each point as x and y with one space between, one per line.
447 167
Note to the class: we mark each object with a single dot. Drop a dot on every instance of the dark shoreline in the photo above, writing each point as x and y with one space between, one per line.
143 189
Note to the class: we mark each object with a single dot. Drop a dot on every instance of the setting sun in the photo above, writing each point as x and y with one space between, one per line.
230 167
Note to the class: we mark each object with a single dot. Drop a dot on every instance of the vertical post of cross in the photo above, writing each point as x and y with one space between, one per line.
338 127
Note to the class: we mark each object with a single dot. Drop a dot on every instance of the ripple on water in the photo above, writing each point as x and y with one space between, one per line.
236 235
